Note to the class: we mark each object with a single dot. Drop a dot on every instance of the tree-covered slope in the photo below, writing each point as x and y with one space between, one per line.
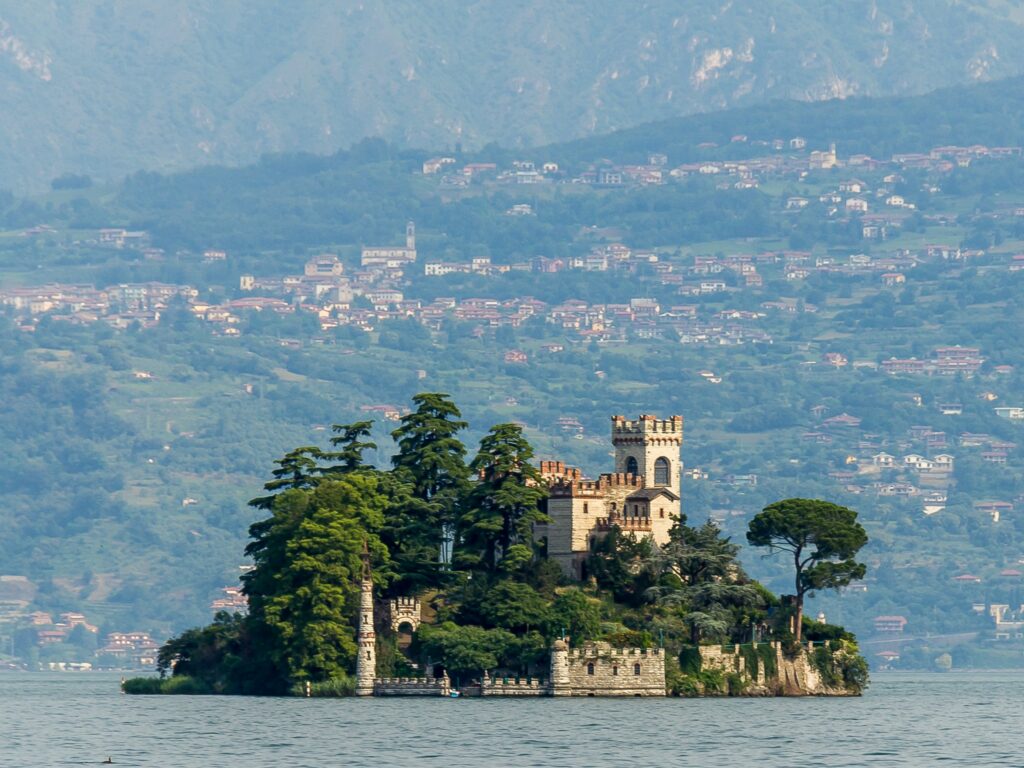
107 88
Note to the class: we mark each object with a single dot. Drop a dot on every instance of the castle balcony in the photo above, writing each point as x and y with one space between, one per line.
636 524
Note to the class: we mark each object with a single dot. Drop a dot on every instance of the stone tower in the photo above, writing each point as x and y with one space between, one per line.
649 446
560 684
366 661
410 236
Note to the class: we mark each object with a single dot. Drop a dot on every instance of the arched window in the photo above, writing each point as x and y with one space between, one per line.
590 668
636 669
632 468
661 472
615 671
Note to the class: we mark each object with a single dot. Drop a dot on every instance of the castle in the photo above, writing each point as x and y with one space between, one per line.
641 496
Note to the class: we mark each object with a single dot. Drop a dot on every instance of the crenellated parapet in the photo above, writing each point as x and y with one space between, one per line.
606 483
412 686
404 610
557 470
607 652
504 686
647 430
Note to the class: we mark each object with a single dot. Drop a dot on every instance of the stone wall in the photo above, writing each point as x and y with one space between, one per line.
598 669
793 676
412 686
498 686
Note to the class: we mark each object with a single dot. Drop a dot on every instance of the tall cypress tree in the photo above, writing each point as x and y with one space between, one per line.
496 530
432 459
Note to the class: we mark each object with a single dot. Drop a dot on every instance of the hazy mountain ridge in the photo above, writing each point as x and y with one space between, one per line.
105 89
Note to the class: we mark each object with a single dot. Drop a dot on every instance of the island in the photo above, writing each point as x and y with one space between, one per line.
502 576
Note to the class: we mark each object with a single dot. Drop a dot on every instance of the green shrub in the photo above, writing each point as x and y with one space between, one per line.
751 659
854 670
336 687
143 685
736 683
184 685
685 685
689 660
712 682
768 661
178 684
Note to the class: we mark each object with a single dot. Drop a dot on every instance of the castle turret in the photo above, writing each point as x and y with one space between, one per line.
410 236
649 446
366 661
560 683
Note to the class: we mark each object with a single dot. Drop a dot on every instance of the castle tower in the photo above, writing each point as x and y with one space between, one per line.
366 661
410 236
649 446
559 680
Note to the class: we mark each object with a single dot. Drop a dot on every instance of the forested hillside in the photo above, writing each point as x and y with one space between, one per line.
108 88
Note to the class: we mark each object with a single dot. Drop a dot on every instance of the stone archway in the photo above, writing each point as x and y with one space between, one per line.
405 611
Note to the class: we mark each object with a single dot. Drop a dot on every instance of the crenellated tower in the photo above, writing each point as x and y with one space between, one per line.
641 497
649 446
366 661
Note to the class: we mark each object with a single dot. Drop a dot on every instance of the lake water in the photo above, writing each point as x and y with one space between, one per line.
962 719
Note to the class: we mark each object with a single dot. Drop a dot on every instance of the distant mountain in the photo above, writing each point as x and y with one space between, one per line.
105 88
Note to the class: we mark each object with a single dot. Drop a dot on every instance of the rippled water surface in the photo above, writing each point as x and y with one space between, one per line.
52 719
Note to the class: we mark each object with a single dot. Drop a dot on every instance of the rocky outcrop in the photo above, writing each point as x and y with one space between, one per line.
766 670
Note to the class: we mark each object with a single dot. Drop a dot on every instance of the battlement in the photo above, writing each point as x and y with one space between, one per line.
503 686
596 488
412 686
606 651
645 428
404 609
558 470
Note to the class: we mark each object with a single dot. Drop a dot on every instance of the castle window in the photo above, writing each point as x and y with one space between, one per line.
615 671
636 669
367 655
661 512
586 508
631 466
661 471
590 668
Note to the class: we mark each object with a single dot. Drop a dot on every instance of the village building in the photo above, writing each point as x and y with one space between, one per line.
388 256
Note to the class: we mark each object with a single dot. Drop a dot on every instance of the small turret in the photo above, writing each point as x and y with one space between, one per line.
560 683
366 661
